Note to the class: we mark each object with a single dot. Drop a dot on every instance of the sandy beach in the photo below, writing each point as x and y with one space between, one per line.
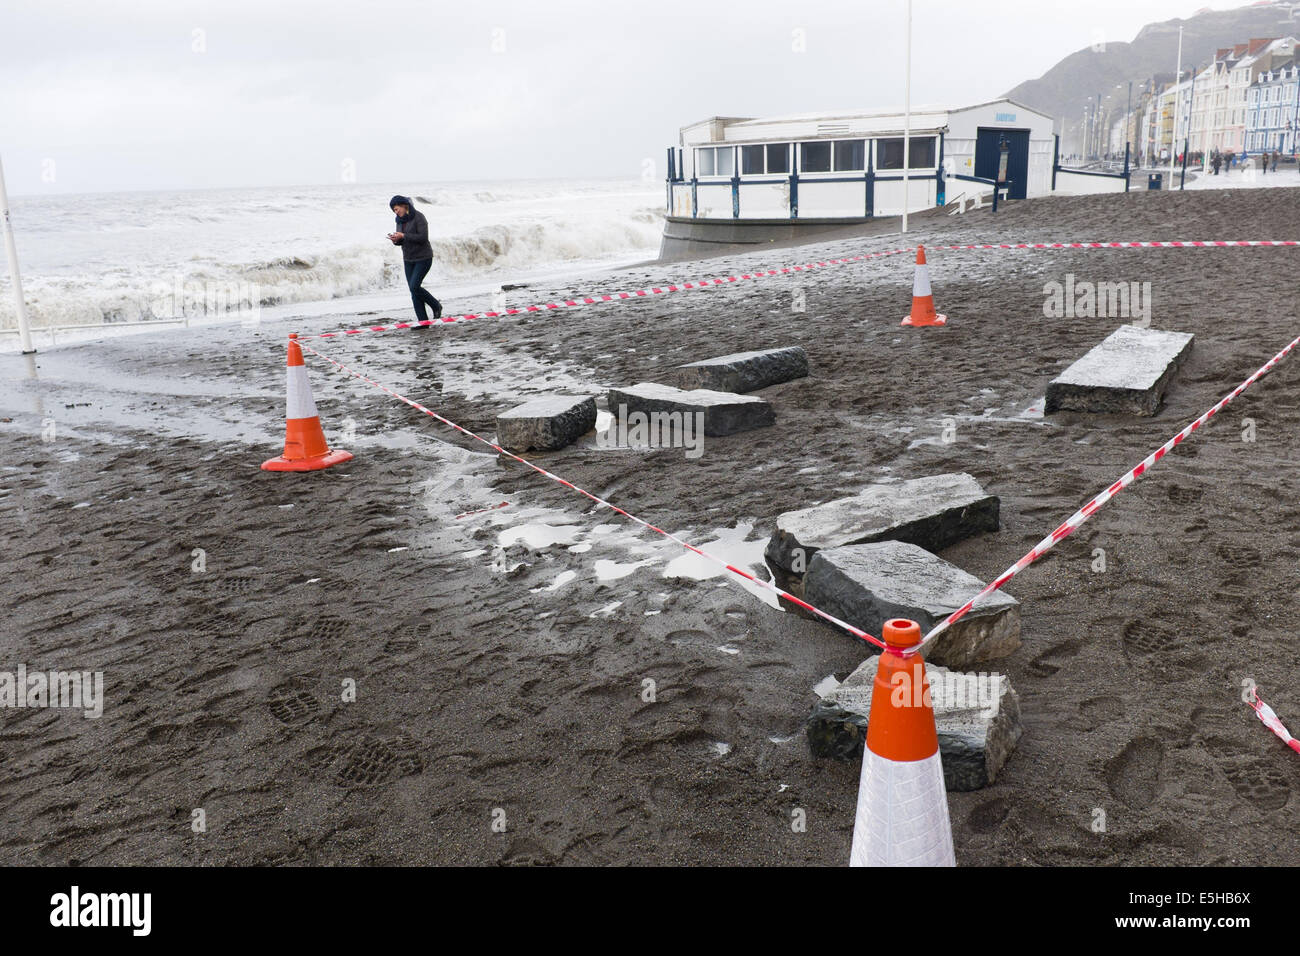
500 659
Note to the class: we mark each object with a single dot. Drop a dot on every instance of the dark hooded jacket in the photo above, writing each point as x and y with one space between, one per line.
415 230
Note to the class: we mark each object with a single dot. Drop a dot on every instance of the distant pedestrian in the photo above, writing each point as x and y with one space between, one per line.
417 255
1216 162
1276 157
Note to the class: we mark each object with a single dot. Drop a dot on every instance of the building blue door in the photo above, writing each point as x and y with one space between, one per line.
987 153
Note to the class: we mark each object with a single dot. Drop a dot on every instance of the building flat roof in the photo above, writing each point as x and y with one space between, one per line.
870 122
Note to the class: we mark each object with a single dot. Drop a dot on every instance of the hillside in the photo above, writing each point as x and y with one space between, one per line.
1064 90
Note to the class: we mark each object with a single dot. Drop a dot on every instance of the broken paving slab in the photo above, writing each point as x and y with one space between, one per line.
868 584
977 716
744 371
546 423
725 413
933 512
1126 374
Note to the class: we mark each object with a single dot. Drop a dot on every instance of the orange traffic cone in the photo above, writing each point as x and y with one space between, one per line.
922 299
902 817
304 442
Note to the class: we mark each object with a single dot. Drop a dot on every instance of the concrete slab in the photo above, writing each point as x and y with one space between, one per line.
868 584
546 423
977 716
1126 374
744 371
933 512
725 413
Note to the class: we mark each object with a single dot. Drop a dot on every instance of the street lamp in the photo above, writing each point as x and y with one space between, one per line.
1128 114
1296 112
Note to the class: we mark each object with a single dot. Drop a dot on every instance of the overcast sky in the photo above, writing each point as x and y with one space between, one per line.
173 94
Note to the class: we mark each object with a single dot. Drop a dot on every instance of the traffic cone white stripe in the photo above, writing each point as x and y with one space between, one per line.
299 403
899 821
921 282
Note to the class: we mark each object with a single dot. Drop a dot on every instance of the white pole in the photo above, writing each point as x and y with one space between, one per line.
907 115
1178 99
24 330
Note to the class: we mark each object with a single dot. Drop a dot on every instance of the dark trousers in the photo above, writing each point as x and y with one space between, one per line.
420 296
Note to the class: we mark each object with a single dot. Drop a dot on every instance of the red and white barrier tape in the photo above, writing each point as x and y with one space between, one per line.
856 632
1091 508
604 297
1272 722
1168 244
763 274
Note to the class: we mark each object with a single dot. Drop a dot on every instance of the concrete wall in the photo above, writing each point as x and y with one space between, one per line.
1076 184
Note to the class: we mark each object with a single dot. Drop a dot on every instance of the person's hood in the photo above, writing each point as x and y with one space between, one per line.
404 200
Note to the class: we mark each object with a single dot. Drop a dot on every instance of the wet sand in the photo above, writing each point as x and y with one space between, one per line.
500 667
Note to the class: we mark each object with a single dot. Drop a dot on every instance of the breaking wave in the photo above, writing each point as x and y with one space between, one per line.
125 294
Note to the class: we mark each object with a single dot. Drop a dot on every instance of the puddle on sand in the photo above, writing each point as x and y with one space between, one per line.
730 545
1032 415
543 528
537 535
481 370
564 578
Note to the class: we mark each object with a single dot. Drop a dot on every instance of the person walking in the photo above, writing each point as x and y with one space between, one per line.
1276 157
412 235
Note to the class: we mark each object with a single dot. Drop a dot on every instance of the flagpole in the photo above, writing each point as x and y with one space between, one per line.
907 116
20 307
1178 99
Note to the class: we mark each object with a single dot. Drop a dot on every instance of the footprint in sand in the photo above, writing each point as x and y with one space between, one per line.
691 638
291 706
1054 658
1133 775
218 627
1164 652
238 584
1259 782
1240 557
1099 710
1144 638
524 851
1256 781
205 729
328 629
374 761
989 816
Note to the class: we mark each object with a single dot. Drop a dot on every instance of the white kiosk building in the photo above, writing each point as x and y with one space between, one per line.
736 180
